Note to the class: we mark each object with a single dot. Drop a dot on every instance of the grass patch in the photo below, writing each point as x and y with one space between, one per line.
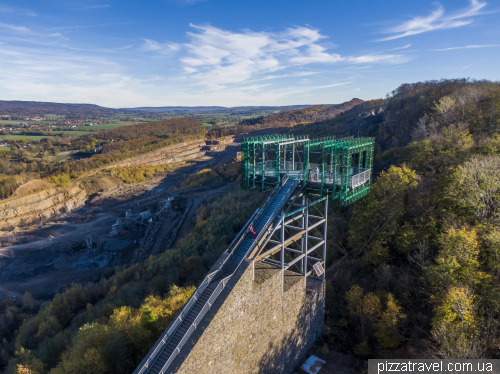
134 174
62 180
71 132
202 178
229 172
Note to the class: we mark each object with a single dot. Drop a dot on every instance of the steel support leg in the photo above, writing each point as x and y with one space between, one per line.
306 228
324 237
283 256
302 239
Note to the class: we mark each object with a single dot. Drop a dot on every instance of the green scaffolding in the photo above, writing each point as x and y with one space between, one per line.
345 165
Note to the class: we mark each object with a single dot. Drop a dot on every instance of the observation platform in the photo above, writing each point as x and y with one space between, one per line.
340 168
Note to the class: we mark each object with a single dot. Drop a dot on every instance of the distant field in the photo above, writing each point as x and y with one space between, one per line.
19 121
74 133
4 147
19 137
86 130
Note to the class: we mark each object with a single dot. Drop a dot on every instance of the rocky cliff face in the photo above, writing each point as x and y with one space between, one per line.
46 204
176 153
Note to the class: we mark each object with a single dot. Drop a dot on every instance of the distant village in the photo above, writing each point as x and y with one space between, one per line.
42 126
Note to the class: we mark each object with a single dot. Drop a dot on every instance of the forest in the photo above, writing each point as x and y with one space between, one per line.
413 268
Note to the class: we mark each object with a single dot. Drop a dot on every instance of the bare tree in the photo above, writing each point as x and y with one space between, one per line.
477 186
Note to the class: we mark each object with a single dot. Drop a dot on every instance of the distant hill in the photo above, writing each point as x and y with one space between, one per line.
41 108
217 108
183 108
303 115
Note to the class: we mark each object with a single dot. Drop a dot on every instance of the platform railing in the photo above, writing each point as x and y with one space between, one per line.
160 344
360 178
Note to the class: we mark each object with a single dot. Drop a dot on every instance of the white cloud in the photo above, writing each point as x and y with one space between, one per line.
214 67
95 7
371 59
14 27
21 11
58 35
436 20
469 46
163 48
219 57
399 48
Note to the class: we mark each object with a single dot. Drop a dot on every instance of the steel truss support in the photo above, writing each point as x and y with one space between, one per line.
297 241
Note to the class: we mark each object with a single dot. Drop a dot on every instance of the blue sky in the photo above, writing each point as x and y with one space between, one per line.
219 52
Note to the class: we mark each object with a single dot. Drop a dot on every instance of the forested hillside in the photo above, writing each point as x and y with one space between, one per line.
412 269
311 114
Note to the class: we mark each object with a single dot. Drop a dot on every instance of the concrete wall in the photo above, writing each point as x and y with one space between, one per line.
253 329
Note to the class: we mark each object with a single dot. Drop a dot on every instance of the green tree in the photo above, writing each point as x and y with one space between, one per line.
386 328
457 262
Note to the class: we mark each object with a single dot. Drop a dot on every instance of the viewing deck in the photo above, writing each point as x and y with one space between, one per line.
340 168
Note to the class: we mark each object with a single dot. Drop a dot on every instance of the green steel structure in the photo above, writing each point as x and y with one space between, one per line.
288 231
340 168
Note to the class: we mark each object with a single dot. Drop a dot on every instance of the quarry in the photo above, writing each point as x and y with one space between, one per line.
51 237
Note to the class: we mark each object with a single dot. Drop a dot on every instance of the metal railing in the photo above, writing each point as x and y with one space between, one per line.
196 322
160 345
360 178
204 284
224 281
256 216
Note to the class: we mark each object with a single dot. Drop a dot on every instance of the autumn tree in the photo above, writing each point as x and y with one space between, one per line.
373 317
27 301
457 262
475 186
375 219
455 326
386 328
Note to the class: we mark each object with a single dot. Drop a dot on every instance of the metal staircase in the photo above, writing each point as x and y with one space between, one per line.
166 349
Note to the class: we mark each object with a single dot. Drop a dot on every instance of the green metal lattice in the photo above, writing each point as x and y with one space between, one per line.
345 164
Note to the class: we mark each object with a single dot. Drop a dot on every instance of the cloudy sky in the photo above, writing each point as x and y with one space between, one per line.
127 53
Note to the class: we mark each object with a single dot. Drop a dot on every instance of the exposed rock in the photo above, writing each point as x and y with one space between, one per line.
42 205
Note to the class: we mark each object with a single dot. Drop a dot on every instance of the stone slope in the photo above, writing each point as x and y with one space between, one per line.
46 204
